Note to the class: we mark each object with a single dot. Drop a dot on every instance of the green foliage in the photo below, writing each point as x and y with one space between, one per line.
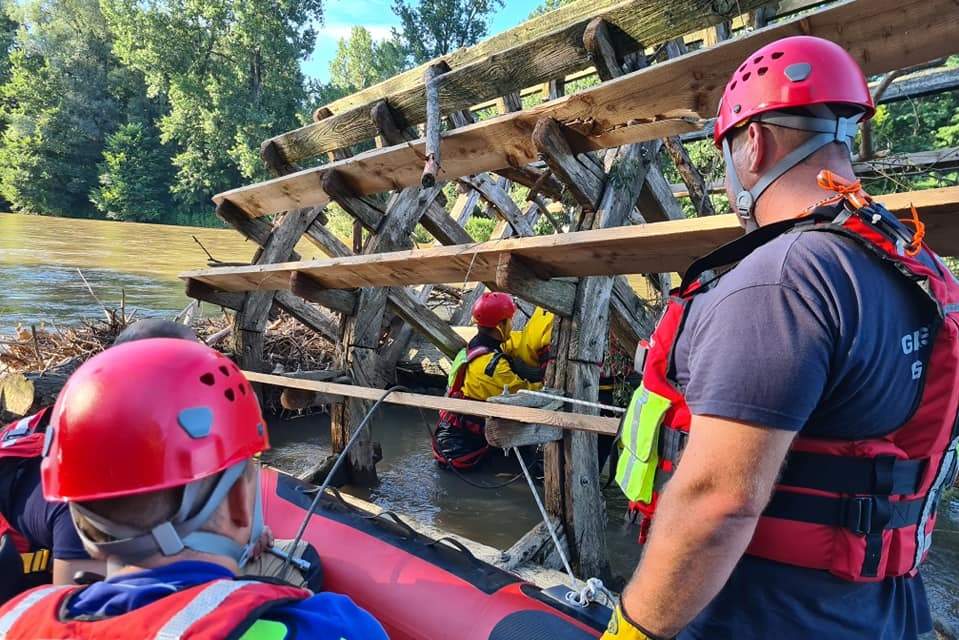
229 70
480 228
135 175
361 61
548 6
60 103
432 28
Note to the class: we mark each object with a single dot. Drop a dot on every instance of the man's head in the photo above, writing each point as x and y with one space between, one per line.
151 444
493 314
793 104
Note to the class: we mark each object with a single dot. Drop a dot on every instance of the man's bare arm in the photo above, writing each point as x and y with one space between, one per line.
704 521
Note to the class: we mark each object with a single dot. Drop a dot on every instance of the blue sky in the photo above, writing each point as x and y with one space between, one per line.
377 17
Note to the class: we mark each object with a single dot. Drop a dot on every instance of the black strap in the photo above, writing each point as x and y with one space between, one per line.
494 362
671 443
862 515
882 475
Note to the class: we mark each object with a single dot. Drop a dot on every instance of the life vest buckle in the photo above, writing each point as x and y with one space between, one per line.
867 514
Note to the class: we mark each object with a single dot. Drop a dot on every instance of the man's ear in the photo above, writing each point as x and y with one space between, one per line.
756 141
239 502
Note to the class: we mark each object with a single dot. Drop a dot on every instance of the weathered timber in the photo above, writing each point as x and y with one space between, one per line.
560 419
499 66
364 209
201 291
445 229
433 123
518 275
656 200
509 433
303 286
576 173
696 186
665 99
385 121
650 248
535 546
598 41
415 312
250 321
539 181
500 200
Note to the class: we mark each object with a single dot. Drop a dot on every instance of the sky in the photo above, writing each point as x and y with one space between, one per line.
377 17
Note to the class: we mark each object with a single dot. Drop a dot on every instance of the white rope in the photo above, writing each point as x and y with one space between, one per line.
585 403
546 520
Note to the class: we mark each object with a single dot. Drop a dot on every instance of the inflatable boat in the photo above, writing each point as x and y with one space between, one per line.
417 587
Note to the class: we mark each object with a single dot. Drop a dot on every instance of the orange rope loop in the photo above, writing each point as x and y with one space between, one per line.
914 247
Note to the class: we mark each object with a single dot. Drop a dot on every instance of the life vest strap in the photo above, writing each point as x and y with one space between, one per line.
882 475
862 515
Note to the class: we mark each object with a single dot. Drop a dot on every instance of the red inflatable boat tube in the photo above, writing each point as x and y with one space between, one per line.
417 587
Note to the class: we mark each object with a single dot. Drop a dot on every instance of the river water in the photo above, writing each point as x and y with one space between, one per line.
39 258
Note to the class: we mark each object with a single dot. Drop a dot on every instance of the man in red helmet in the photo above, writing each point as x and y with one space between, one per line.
151 445
482 370
807 341
38 542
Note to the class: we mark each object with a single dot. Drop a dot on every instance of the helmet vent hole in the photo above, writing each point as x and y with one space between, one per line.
208 379
742 67
762 71
732 86
757 59
242 389
224 371
230 395
777 55
747 75
234 367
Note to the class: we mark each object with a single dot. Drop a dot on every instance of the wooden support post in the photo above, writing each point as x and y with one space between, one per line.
363 208
306 287
250 321
202 291
433 123
503 204
387 124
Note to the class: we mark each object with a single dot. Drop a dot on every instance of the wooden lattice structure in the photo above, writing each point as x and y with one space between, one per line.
595 155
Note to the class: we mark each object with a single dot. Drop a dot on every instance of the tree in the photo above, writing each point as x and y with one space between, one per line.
59 107
432 28
547 6
230 72
361 61
135 176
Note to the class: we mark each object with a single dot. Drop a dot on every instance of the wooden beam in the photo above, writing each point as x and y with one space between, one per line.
202 291
544 48
665 99
650 248
445 229
303 286
518 276
559 419
424 320
503 204
366 210
310 316
433 124
576 171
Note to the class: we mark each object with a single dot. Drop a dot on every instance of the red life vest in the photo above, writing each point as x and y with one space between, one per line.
865 509
22 439
213 610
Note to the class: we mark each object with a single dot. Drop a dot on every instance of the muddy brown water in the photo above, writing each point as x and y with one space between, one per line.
38 282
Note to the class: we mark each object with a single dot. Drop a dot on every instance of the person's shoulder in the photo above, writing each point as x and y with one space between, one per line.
329 615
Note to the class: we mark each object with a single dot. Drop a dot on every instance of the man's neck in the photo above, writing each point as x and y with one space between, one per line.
117 567
798 190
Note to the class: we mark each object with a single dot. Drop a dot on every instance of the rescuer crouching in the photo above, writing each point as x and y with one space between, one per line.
495 361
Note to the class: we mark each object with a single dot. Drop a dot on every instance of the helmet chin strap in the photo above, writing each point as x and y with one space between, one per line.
182 530
825 124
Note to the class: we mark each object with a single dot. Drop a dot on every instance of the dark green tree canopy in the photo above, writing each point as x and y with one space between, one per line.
432 28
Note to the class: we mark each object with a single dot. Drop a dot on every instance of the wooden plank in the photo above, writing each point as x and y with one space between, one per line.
518 276
665 99
538 51
650 248
560 419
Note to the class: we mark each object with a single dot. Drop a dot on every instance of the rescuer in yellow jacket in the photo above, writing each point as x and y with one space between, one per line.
482 370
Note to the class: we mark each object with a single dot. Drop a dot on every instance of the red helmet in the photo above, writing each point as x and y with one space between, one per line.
492 308
149 415
798 71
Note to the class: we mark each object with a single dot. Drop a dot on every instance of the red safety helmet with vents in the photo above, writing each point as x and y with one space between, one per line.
149 415
493 308
796 72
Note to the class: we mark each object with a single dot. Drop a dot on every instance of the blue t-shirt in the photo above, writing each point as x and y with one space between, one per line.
808 333
325 615
46 525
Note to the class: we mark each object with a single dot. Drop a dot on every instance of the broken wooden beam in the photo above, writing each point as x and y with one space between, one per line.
559 419
433 123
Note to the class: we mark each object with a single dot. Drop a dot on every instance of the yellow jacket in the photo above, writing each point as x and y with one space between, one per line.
535 336
478 385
